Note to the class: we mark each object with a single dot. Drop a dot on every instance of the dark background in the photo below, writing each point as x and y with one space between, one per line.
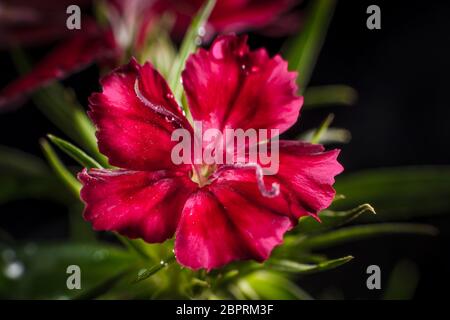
401 73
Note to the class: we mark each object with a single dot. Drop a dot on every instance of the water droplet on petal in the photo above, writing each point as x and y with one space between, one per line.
170 119
217 52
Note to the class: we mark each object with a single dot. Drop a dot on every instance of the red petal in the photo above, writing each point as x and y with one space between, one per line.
308 171
221 226
73 55
228 16
143 205
130 133
306 176
236 16
231 219
229 86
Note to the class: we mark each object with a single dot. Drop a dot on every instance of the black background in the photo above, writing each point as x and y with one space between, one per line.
401 118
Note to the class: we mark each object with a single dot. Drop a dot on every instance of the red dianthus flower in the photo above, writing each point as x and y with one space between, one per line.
229 217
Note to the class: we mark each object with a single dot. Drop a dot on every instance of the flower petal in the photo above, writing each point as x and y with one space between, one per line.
230 86
25 22
136 204
220 226
228 16
308 171
71 56
135 116
236 16
305 174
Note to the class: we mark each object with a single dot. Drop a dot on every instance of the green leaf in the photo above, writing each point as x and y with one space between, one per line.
188 46
134 245
330 136
59 105
74 152
402 282
344 235
243 290
331 219
302 268
80 230
146 273
159 48
304 50
61 171
397 193
20 162
269 285
322 96
23 175
103 287
322 129
44 268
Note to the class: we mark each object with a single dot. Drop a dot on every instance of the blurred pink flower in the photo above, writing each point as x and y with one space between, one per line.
129 24
231 15
35 22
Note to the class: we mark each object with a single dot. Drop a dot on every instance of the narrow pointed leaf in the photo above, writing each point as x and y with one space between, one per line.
302 268
304 50
25 176
273 286
61 171
402 282
348 234
134 245
20 162
331 219
188 46
397 193
330 136
247 291
322 129
74 152
103 287
338 196
159 48
330 95
146 273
